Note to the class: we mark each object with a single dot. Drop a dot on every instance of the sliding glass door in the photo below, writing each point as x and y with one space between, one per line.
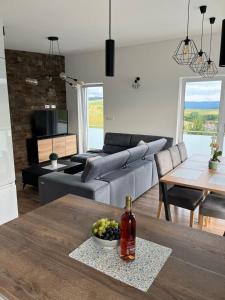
202 114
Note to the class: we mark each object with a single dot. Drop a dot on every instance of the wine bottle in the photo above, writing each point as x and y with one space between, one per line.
128 232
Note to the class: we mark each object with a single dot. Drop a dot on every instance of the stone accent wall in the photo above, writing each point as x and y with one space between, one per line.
23 98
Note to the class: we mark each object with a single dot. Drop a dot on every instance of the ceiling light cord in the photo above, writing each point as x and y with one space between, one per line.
210 46
203 17
110 11
188 17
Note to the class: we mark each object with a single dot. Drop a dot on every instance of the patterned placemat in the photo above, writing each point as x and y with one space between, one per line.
187 174
140 273
217 180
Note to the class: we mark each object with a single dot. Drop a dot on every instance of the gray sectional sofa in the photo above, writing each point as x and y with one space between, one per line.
121 168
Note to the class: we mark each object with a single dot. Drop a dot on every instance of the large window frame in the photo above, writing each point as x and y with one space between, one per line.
181 102
85 98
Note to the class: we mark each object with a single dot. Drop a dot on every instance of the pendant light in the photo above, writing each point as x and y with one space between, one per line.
222 46
109 50
210 70
186 49
201 57
53 68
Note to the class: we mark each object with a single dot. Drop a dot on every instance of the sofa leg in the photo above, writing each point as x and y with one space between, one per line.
191 218
159 209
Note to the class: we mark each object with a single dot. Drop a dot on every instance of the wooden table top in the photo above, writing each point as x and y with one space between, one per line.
34 261
197 174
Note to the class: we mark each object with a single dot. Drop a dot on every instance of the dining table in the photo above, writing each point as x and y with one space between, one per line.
35 261
195 173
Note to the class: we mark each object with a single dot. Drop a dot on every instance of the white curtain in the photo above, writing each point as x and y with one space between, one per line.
82 120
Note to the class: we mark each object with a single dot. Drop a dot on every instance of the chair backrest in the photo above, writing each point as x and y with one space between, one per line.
163 162
183 151
175 156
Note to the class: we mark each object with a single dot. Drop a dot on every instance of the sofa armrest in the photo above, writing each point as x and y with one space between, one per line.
56 185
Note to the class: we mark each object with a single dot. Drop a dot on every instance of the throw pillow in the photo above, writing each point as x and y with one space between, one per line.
141 142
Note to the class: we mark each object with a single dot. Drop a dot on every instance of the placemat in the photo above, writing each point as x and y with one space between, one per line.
217 180
49 167
140 273
187 174
196 165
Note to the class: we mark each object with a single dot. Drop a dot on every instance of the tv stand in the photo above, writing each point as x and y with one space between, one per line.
39 148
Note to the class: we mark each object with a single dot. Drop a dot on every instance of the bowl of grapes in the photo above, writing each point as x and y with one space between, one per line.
106 233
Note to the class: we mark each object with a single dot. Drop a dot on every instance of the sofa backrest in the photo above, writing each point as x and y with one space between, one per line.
137 153
115 142
136 138
95 168
155 146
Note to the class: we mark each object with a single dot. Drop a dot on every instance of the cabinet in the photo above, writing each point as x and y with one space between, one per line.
38 150
71 140
44 149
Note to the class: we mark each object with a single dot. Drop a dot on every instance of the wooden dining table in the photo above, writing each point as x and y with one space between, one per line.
35 262
194 173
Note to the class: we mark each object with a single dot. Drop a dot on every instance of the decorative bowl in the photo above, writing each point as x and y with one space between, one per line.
106 243
106 233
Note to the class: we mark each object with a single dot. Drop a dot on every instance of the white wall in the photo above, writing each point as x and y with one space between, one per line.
152 109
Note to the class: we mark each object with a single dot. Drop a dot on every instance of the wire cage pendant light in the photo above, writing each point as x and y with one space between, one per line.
209 69
186 49
198 62
109 50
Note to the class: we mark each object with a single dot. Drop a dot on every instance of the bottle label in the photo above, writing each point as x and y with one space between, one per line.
130 247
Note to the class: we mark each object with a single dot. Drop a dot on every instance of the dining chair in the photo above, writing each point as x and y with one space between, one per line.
175 156
179 196
183 151
212 206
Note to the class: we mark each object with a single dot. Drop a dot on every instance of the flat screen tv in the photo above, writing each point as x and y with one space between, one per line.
49 122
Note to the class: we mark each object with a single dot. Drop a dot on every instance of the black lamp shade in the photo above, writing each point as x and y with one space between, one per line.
109 57
222 46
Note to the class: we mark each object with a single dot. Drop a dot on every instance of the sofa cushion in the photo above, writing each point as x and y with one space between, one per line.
82 158
111 149
55 185
136 153
94 169
118 139
155 146
122 183
142 169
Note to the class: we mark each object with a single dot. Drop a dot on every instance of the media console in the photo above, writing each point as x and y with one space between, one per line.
39 149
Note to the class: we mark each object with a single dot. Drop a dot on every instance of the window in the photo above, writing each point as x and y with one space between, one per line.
95 116
202 114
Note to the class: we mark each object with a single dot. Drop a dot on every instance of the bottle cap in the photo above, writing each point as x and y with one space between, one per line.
128 202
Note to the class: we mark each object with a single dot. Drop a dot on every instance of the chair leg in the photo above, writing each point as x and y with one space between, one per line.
206 221
201 217
159 209
191 218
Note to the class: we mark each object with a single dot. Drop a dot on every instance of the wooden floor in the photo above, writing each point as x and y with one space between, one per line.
148 203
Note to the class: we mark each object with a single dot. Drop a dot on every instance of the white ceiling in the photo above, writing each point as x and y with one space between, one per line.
82 25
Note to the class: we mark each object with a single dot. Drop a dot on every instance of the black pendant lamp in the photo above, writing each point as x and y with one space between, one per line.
201 57
222 46
109 50
186 49
209 70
